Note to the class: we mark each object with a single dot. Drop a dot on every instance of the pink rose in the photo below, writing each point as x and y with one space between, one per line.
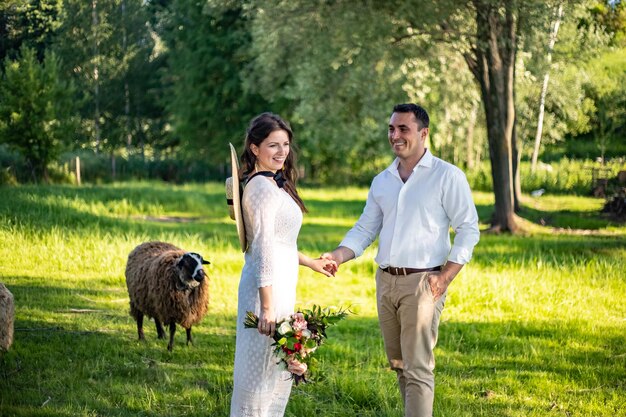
299 323
295 367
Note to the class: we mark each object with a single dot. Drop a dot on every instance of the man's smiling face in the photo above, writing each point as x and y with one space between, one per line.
406 137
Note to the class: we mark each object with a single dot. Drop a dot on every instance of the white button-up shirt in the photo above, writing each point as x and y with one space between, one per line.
414 218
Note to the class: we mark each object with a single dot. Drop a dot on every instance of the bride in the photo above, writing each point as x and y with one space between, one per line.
272 213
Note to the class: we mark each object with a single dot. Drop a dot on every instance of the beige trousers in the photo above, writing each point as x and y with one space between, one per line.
409 320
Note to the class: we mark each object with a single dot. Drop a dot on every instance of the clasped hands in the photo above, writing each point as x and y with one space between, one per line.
332 265
324 266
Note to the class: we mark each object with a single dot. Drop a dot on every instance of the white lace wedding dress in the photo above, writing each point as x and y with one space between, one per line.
273 220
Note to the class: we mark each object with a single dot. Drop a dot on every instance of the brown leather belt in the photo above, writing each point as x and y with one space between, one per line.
406 271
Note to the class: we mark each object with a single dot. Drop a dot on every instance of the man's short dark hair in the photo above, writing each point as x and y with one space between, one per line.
418 111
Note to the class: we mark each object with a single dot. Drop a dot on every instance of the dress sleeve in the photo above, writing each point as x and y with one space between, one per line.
261 203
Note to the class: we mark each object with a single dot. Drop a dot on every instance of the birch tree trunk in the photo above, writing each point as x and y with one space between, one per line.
96 60
544 88
127 132
470 156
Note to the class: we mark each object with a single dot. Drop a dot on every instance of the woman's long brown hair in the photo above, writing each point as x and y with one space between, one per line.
260 128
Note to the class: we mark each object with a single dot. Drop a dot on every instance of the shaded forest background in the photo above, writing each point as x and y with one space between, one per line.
156 89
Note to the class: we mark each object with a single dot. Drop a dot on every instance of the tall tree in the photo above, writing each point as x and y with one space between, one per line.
568 106
492 61
453 102
135 108
544 88
208 103
607 88
83 45
31 23
108 47
36 109
484 32
334 66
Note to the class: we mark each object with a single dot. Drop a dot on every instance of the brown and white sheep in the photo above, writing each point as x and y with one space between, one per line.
167 284
7 316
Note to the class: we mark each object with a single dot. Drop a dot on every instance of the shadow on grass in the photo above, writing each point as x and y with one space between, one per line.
31 294
42 209
41 215
93 364
515 369
562 251
336 208
489 366
587 220
566 219
207 202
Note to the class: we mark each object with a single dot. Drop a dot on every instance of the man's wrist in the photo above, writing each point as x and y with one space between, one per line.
450 270
338 256
343 254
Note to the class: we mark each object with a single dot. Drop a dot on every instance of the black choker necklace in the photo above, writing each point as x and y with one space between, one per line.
278 177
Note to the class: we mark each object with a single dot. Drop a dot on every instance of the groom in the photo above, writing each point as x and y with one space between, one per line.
411 206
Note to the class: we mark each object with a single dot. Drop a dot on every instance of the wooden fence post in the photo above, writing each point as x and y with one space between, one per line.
78 170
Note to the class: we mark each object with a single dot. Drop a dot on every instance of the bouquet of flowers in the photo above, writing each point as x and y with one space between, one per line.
299 335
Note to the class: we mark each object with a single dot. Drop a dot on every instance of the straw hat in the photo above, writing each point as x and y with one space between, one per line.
234 191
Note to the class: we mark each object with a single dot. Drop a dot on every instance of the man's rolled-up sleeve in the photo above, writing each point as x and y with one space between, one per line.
459 206
364 232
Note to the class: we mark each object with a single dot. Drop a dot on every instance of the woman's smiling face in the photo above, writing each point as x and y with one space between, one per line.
272 152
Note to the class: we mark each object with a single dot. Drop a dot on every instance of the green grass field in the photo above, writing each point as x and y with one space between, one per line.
535 325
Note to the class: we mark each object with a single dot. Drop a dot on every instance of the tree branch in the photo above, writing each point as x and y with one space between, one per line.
438 35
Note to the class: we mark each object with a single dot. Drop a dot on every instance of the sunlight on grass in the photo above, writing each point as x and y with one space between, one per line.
570 203
533 326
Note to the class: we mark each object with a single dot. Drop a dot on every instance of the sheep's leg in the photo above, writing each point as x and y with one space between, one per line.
189 338
139 318
159 327
170 346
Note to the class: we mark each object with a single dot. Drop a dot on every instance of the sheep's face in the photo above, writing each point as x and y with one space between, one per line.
190 272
